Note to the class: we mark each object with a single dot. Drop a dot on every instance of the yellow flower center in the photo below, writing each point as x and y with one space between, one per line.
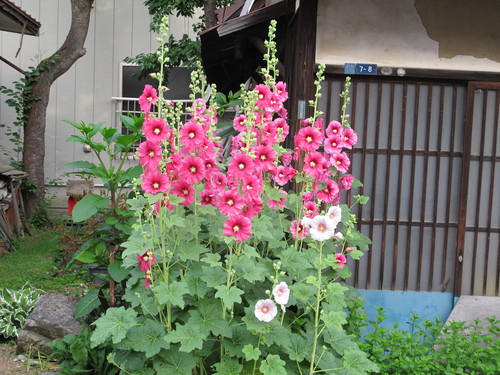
236 228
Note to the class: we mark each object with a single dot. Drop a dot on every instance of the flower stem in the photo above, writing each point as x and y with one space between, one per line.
317 311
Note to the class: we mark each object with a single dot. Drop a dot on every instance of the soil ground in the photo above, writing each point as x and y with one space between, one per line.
9 365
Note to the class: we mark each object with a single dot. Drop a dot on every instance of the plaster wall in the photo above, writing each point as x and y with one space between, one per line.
426 34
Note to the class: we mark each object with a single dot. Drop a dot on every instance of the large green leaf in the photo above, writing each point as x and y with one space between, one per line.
357 363
207 317
174 362
88 206
229 296
117 272
115 325
273 365
171 293
147 338
228 367
88 303
80 164
188 336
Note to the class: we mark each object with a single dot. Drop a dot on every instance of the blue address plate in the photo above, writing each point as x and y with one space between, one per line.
351 68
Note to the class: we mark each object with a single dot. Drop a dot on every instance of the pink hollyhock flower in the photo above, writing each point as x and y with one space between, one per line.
230 203
286 158
269 133
251 185
252 206
341 260
162 203
281 294
241 165
280 90
298 230
265 310
265 157
147 98
282 175
264 95
210 167
334 127
340 161
207 197
238 226
282 128
218 181
207 149
156 130
192 134
350 138
321 229
146 260
346 181
275 205
333 144
149 154
319 125
328 193
310 209
275 104
314 163
199 106
308 139
239 123
183 189
192 169
307 197
154 182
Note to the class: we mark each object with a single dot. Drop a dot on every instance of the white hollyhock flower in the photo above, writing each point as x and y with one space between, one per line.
281 294
322 228
265 310
334 214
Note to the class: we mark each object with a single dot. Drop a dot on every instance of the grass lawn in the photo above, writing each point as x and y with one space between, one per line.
35 260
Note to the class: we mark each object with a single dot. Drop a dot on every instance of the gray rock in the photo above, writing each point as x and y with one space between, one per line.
51 319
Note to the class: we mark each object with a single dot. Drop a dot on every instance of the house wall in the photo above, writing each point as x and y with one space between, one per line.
118 28
426 34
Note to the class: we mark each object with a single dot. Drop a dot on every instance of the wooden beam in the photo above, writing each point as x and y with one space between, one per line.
300 62
253 18
12 65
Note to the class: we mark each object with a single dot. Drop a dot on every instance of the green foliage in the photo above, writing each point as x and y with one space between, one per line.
431 348
114 217
15 307
75 355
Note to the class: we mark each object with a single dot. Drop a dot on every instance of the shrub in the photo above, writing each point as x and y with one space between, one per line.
431 348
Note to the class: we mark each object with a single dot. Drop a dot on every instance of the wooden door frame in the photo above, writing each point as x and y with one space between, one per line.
464 184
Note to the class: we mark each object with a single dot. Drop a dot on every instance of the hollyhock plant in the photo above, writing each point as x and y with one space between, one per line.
250 225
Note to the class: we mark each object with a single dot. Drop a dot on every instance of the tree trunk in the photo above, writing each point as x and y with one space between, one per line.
209 10
34 129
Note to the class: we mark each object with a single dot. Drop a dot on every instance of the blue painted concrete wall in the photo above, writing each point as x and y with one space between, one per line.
401 305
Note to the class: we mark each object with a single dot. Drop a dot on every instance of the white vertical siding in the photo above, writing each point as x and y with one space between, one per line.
118 28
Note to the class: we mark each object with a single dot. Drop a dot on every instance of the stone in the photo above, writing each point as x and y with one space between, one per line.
51 319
